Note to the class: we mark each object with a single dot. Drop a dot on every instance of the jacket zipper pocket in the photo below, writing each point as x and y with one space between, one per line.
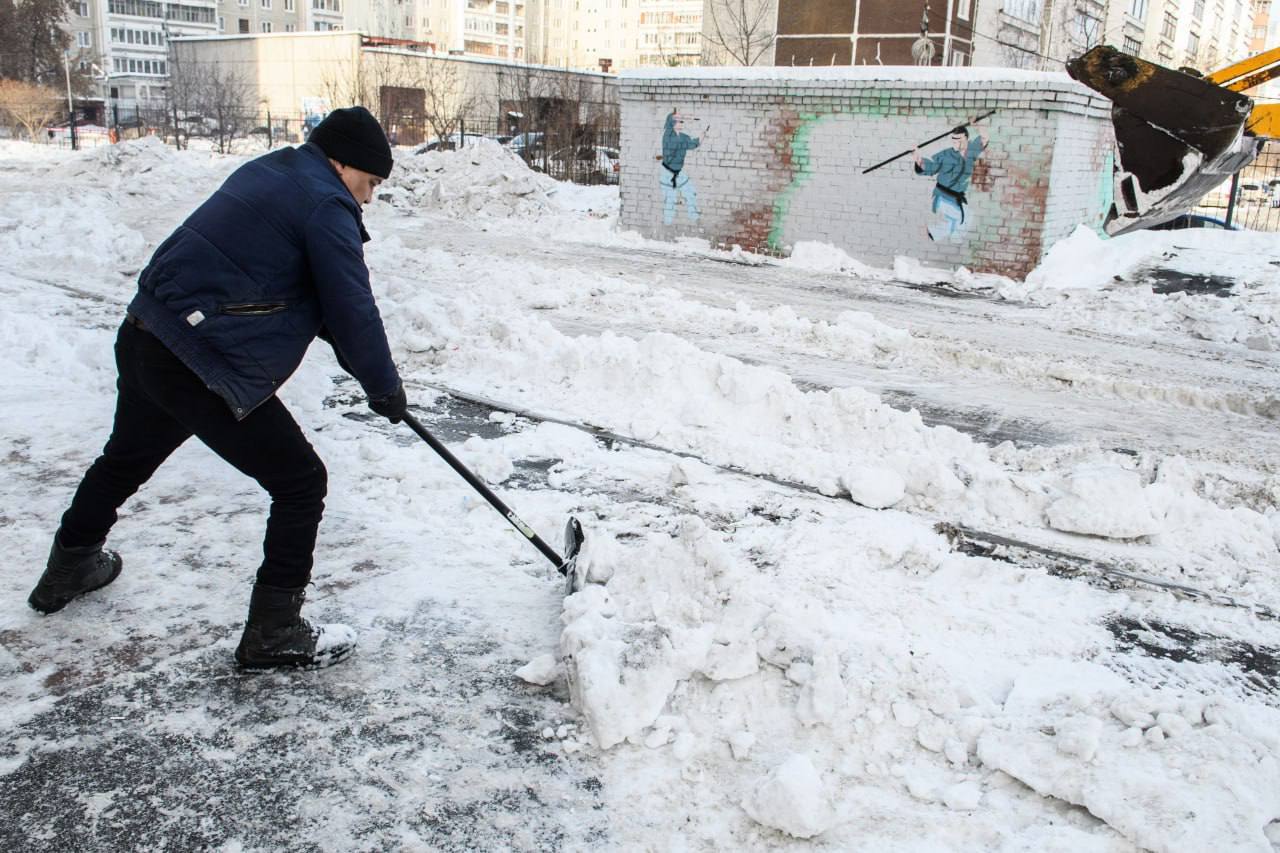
254 309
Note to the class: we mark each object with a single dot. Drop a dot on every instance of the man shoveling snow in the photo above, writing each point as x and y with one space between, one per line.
224 313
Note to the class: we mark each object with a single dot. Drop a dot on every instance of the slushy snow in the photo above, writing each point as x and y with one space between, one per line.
754 662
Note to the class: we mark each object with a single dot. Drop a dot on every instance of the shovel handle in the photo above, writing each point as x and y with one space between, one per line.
486 492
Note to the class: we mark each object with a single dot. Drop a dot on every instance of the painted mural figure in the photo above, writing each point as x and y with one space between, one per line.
676 184
954 167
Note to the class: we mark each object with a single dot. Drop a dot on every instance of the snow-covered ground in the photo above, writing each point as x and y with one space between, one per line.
779 646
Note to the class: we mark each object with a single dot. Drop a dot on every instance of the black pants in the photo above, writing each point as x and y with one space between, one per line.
161 404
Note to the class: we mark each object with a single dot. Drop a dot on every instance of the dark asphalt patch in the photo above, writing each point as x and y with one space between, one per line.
379 753
1259 666
1166 281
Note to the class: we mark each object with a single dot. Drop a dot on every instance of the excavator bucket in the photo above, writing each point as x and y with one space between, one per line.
1177 135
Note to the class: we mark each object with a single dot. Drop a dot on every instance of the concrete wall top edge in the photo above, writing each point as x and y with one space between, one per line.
1056 84
906 73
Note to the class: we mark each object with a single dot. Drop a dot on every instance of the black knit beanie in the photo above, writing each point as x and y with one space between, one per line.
353 137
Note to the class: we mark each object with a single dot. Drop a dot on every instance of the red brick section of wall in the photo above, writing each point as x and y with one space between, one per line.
753 224
1020 252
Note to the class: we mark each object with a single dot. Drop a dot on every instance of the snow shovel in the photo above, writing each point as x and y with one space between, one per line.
573 536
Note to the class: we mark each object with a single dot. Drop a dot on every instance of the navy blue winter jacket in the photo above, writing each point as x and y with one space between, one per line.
241 289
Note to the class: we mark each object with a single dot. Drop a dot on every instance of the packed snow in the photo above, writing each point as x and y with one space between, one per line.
774 645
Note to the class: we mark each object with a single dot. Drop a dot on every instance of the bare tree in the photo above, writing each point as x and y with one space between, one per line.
742 30
448 95
224 100
182 95
28 105
1070 29
340 84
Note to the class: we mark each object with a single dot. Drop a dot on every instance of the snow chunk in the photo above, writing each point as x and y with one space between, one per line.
823 257
874 486
791 799
1103 500
542 670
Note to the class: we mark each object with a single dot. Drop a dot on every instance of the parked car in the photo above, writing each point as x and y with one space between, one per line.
586 164
1252 192
529 146
452 142
1192 220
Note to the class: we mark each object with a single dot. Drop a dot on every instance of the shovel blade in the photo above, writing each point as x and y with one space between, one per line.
573 539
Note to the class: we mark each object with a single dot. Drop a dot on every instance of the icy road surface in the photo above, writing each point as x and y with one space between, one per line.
778 648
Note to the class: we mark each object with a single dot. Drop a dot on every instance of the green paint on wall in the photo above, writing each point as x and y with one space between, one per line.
801 172
1106 194
801 167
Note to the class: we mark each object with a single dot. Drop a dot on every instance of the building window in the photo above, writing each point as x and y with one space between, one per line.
266 26
244 25
83 40
1025 10
1138 9
1132 46
289 28
962 9
1170 28
82 9
288 5
1197 11
1193 44
266 4
222 24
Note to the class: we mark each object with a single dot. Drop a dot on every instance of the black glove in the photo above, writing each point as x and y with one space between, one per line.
393 406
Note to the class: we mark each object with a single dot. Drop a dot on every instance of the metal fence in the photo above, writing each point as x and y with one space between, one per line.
587 153
1250 200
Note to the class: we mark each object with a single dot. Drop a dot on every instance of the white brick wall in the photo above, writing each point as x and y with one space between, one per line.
784 158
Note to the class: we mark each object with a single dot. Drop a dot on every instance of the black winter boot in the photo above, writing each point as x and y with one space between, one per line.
71 572
277 635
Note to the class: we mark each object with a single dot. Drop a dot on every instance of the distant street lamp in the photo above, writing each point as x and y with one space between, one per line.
71 108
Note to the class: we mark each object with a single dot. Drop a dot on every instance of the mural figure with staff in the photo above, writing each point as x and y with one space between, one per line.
953 167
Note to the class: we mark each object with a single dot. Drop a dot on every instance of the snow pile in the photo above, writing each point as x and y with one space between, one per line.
1145 764
843 442
93 230
761 664
1108 283
482 179
835 684
823 257
1086 261
1119 274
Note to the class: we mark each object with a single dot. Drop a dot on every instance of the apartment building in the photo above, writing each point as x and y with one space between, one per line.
124 44
583 34
1200 34
611 35
670 32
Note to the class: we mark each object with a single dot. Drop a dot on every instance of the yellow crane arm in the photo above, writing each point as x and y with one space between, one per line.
1247 73
1264 119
